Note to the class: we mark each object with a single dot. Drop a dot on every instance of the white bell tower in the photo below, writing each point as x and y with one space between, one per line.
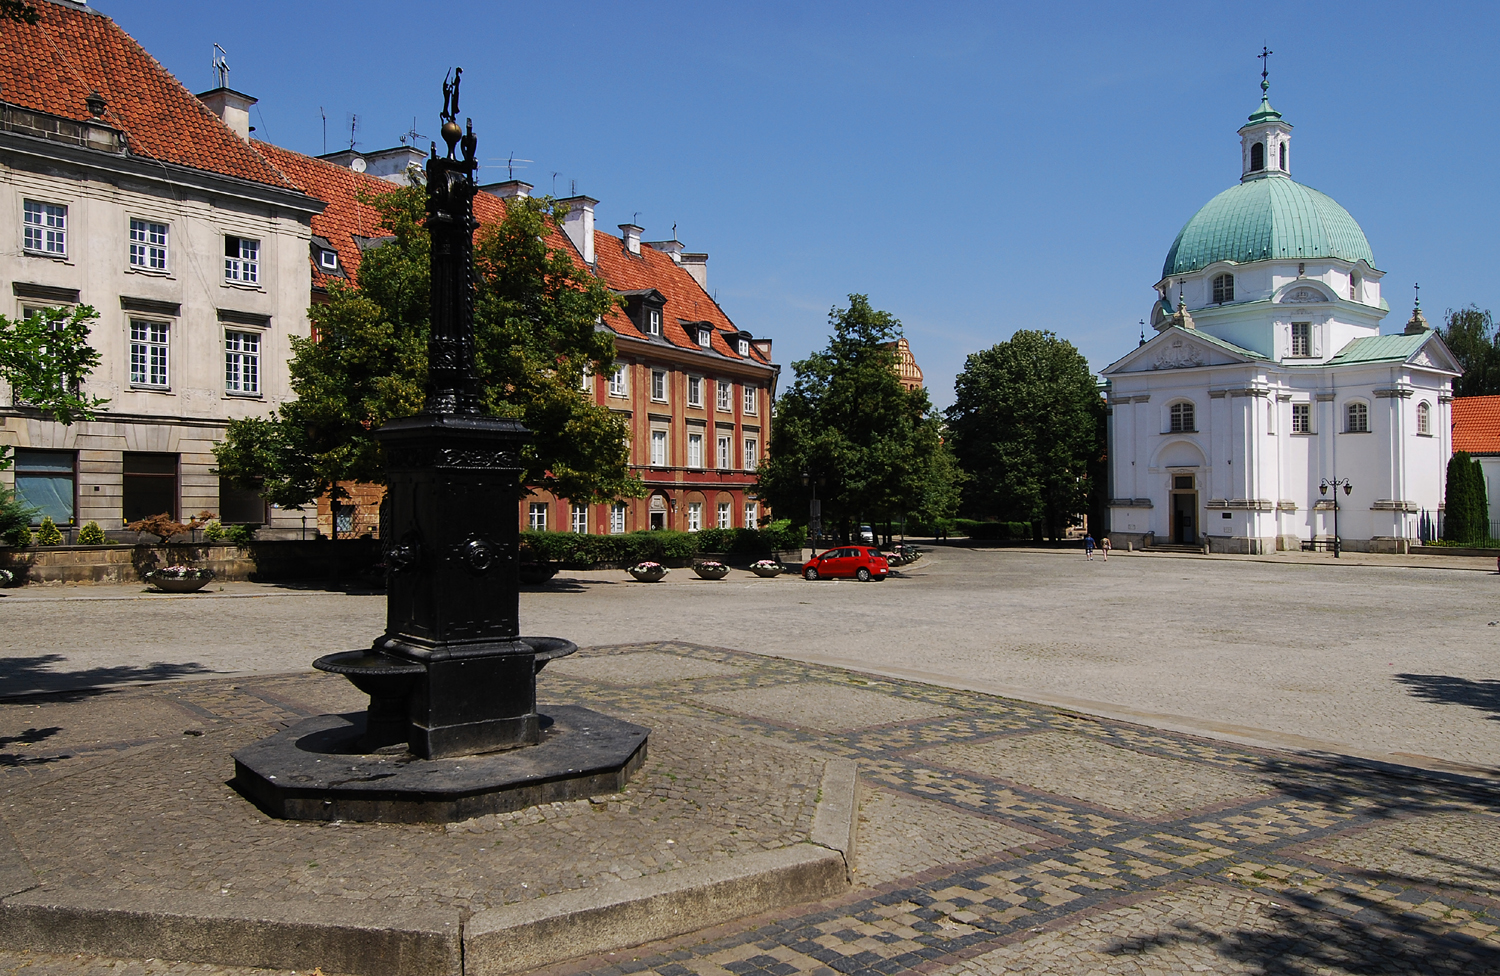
1265 141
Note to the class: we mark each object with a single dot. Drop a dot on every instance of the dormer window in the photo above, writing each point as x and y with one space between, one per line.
1354 284
653 322
328 260
1257 157
706 338
744 347
1223 289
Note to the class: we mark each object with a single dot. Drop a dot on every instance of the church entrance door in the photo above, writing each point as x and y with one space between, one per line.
1184 511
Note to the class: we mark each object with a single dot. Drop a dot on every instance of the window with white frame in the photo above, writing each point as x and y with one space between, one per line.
1357 418
242 362
724 457
653 322
148 353
1301 338
659 448
617 382
695 391
1302 418
752 515
328 260
536 517
580 519
724 396
659 385
586 383
1424 419
695 450
1354 286
1181 415
752 453
706 338
45 228
725 519
744 347
55 325
617 518
695 516
241 260
148 245
750 395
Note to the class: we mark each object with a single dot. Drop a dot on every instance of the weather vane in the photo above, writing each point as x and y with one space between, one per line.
450 96
1265 61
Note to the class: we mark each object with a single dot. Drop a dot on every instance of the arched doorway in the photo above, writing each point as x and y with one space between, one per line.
657 510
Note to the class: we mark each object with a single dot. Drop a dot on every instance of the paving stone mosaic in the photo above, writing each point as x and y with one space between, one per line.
816 706
646 668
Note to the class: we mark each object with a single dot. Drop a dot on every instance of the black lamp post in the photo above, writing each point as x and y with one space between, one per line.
1335 484
814 511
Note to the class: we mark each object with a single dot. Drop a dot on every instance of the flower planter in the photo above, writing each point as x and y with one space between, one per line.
536 574
179 584
711 570
648 574
766 570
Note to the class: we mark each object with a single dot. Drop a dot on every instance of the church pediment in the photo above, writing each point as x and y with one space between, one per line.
1180 349
1302 295
1434 354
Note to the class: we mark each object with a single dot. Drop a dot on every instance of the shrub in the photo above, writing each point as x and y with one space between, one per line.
1466 518
240 535
91 535
20 536
14 515
163 526
48 534
213 532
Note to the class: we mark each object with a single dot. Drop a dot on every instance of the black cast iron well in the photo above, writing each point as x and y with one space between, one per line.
451 676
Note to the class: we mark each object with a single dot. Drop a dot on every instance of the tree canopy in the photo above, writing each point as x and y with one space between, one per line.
537 330
45 358
873 447
1027 424
1470 334
1466 507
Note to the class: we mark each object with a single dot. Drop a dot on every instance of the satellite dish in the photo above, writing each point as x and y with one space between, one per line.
357 164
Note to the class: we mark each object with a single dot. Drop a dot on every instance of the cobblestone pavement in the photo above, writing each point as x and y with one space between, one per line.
996 836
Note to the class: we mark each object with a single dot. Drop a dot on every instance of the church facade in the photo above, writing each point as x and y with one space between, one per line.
1268 410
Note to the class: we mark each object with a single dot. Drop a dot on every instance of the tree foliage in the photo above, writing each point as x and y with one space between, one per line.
536 331
1470 334
846 421
45 358
1466 506
1027 425
19 11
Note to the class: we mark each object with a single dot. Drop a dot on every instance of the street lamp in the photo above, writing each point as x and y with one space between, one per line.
1335 484
814 510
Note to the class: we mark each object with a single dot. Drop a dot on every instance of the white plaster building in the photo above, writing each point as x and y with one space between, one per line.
1270 377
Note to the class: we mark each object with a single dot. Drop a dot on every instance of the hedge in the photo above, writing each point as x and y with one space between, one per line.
577 549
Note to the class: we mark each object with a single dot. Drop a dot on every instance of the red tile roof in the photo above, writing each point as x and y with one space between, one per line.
71 52
1476 424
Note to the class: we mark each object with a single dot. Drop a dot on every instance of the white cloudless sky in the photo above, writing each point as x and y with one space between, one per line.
974 168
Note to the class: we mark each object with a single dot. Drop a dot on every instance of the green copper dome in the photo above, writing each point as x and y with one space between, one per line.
1267 218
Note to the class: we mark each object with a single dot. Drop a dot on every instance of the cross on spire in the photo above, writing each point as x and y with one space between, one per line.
1265 63
1418 289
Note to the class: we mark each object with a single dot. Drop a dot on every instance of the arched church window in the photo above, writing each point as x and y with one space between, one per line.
1258 157
1357 418
1424 418
1283 157
1354 283
1223 289
1182 418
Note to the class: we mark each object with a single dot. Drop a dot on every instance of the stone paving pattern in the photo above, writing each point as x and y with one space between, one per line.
996 836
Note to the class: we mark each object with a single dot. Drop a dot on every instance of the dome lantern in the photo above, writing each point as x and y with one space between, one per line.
1265 140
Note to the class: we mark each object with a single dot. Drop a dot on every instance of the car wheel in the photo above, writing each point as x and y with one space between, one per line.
862 574
810 573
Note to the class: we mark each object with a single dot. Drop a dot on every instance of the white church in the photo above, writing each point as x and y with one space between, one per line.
1268 393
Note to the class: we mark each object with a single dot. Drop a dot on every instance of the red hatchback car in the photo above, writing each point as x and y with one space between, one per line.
861 562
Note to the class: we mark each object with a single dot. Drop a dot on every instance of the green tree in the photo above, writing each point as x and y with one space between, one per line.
846 421
536 316
45 358
1027 425
18 10
1466 507
1470 334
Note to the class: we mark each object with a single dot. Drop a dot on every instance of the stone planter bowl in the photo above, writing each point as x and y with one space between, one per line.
179 584
766 572
648 575
536 573
711 572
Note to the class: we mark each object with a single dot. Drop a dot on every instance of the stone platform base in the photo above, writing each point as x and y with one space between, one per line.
312 772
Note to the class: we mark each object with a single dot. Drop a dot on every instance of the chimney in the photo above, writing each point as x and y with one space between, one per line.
764 345
390 165
697 266
509 190
232 107
578 224
672 249
632 235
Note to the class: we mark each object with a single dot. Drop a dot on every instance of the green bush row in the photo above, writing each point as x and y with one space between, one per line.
992 530
575 549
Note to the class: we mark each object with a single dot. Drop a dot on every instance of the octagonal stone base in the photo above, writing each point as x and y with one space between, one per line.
311 771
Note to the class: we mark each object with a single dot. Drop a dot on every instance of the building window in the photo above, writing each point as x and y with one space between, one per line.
722 398
1357 418
1182 418
706 338
1354 287
695 450
695 391
580 519
659 385
752 453
1424 419
725 455
240 506
148 245
45 229
1223 289
1257 157
750 397
695 516
47 481
617 518
653 321
328 260
149 486
1283 157
752 515
1302 418
1301 338
659 448
617 384
148 354
241 260
724 516
536 517
744 347
242 362
586 382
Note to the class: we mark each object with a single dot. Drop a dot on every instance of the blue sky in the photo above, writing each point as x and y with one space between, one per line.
974 168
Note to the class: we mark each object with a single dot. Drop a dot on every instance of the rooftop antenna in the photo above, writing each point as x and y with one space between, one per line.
325 129
221 66
573 188
353 128
411 135
633 216
674 231
1265 62
554 183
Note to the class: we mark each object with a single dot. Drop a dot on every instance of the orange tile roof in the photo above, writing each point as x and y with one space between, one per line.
1476 424
71 52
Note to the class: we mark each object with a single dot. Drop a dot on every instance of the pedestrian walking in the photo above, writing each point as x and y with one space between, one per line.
1104 547
1088 547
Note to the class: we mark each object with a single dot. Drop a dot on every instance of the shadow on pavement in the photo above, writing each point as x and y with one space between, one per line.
1442 689
30 737
36 675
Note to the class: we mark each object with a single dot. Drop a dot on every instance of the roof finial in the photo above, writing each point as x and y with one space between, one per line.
1417 325
1418 289
1265 62
1143 332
